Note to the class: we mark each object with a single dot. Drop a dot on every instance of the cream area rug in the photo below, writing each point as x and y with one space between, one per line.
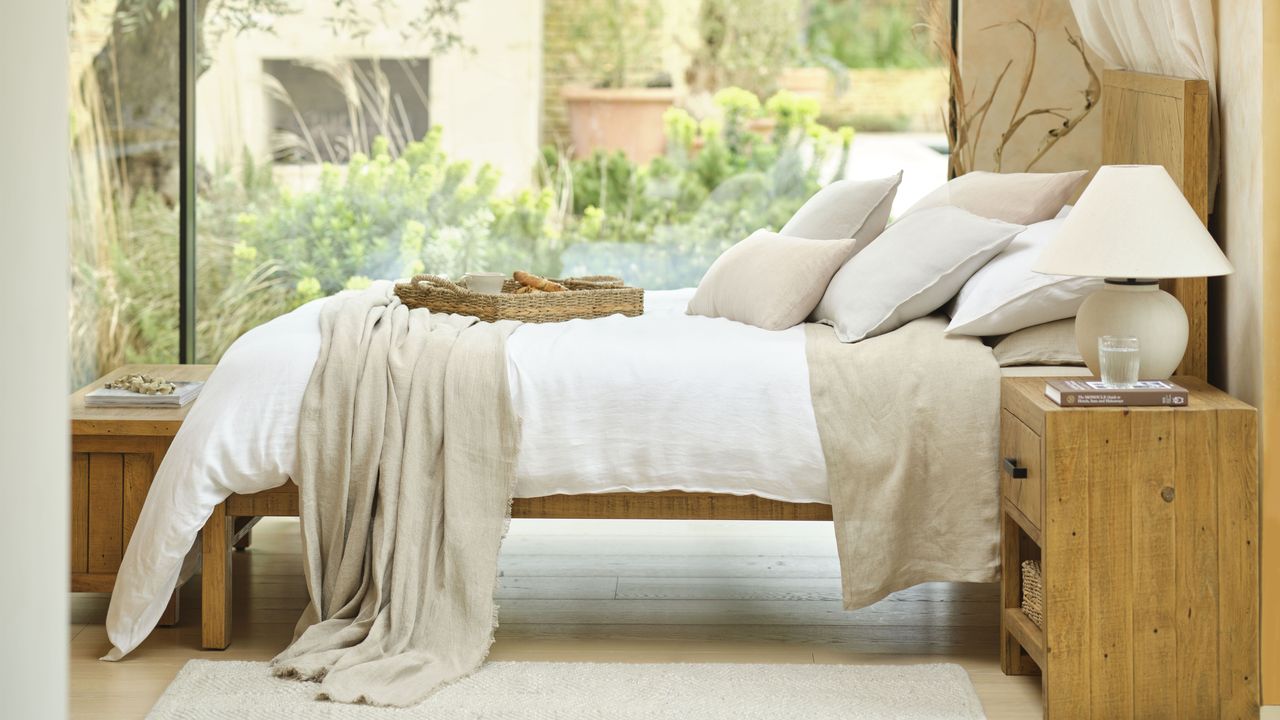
599 691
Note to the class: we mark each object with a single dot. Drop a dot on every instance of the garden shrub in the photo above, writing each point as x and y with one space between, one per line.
264 248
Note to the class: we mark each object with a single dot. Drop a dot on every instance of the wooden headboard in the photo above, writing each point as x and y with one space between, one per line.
1159 120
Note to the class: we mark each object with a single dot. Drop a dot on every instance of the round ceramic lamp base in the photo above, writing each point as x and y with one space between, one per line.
1143 311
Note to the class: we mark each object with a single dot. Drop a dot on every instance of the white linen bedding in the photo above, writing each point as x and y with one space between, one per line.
667 401
675 402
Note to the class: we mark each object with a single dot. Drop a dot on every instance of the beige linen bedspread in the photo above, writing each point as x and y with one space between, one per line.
406 464
914 488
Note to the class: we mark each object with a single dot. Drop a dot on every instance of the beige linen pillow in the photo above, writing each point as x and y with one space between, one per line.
1051 343
914 267
844 209
1021 198
769 280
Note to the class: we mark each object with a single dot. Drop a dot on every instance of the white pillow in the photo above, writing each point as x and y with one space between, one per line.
1021 198
1048 344
846 209
769 280
1006 296
912 269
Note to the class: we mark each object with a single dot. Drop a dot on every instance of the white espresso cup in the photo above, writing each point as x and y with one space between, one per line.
488 283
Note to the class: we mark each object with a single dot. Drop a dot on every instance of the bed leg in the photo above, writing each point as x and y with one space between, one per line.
170 616
215 581
243 543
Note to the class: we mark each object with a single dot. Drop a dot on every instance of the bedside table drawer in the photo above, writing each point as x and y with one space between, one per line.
1021 480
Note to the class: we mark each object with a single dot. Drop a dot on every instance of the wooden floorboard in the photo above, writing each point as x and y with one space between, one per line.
605 591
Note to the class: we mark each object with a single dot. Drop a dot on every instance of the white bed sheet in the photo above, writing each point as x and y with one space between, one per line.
666 401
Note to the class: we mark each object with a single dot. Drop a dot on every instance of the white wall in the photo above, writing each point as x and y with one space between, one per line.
1248 206
1238 212
33 359
487 98
489 102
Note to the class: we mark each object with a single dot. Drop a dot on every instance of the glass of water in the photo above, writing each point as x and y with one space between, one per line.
1118 358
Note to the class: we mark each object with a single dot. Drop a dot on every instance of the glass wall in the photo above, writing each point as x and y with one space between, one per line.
124 179
342 141
321 170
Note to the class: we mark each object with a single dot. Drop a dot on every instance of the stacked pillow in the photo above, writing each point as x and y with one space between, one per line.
773 280
911 270
769 280
855 209
1052 343
968 240
1021 198
1005 295
1032 314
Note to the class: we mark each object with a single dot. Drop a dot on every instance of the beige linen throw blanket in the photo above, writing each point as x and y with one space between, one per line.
406 464
909 429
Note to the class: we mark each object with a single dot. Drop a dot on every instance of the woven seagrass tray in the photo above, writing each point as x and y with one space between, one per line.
1033 592
586 297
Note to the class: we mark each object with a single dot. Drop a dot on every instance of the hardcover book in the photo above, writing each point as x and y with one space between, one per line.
1094 393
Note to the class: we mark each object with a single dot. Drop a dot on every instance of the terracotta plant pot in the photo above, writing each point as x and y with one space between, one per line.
628 119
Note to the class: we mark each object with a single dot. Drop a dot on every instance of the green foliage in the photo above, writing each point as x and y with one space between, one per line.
868 34
387 217
264 249
436 23
737 104
663 224
793 111
614 39
680 127
744 43
608 181
126 308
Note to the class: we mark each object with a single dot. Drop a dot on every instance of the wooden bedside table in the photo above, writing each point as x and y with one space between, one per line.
114 456
1145 521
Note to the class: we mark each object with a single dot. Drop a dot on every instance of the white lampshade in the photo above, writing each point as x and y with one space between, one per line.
1132 221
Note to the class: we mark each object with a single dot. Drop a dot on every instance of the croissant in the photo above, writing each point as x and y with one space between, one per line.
536 282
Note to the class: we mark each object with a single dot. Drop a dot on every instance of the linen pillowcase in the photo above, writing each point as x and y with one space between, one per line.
1052 343
769 280
1021 198
1006 296
844 209
911 270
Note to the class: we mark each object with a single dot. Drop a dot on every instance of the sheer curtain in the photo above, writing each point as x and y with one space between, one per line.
1166 37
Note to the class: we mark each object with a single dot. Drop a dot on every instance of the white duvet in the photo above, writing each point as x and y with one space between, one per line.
666 401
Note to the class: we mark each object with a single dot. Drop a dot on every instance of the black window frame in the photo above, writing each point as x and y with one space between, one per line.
187 59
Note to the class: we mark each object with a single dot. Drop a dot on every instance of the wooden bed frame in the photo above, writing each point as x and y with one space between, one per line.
1147 119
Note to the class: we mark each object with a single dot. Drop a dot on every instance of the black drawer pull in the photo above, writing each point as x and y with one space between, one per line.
1015 471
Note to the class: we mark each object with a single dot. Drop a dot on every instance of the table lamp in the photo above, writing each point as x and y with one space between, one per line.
1133 227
